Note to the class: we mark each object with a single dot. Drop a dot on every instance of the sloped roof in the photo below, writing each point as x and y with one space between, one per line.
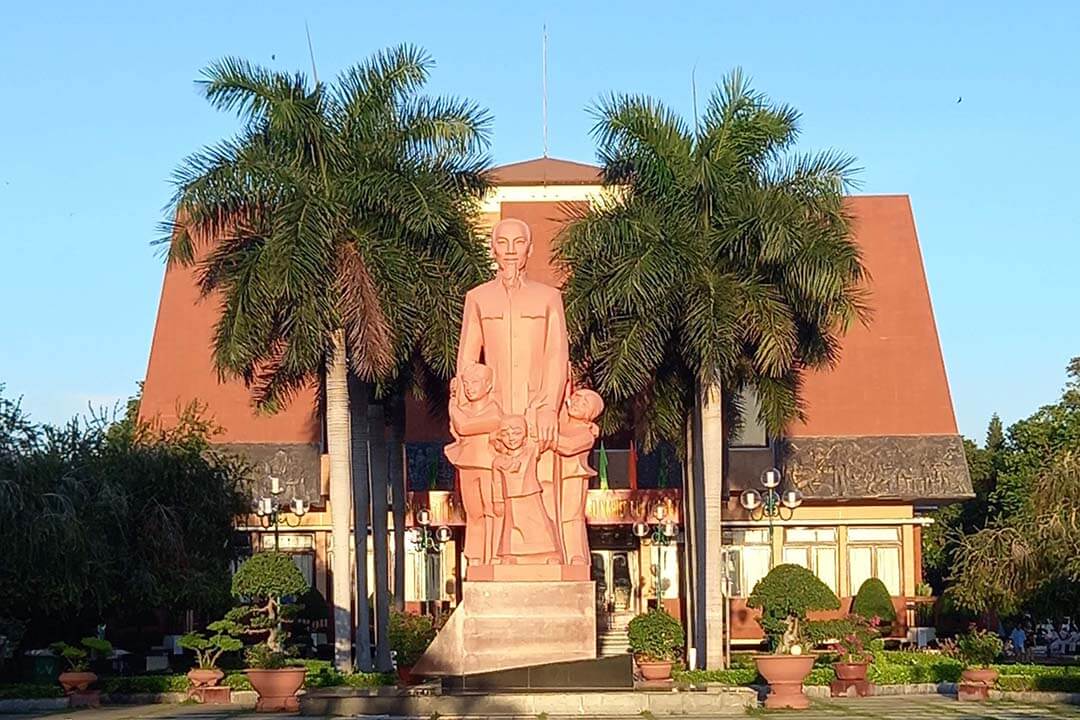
890 379
546 171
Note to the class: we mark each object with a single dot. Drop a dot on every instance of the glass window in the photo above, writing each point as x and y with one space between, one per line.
874 552
752 433
749 559
814 549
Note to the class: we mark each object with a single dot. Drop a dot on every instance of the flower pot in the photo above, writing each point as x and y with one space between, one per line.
785 675
74 682
850 671
277 688
204 677
982 676
405 676
655 670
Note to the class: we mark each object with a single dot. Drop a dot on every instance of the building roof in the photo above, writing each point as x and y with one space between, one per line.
890 379
546 171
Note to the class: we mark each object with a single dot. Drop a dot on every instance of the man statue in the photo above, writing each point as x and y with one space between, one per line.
517 327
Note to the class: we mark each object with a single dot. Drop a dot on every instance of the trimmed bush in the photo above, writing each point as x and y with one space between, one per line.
873 601
410 635
30 691
144 684
655 636
784 597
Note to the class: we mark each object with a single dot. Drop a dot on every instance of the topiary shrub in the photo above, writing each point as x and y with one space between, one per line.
410 634
265 584
655 636
784 597
873 601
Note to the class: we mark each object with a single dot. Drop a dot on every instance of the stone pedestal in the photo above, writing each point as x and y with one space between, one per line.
527 573
503 625
85 698
849 688
215 695
972 691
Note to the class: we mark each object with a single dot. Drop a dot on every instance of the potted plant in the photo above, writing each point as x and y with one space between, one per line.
77 678
656 640
852 642
265 583
785 596
979 648
208 650
410 635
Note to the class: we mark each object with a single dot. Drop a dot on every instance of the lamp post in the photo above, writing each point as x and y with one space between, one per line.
428 542
269 511
662 533
772 503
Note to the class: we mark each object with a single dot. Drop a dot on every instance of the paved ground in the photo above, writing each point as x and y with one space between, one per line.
880 708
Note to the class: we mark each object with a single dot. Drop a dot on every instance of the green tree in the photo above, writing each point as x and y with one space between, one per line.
98 525
722 260
1030 544
337 229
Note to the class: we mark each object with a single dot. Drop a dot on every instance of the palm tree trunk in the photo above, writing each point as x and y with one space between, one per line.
711 452
361 484
379 489
337 446
395 446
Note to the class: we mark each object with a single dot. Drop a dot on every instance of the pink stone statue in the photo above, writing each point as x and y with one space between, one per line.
577 434
517 328
528 535
474 414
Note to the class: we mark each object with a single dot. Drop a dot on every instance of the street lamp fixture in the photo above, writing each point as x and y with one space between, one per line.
271 514
427 540
772 503
661 533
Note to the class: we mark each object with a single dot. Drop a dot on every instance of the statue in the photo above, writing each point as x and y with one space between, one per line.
517 328
577 434
473 416
528 535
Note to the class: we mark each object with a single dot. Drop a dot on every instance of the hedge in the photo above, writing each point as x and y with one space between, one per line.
908 668
139 684
29 691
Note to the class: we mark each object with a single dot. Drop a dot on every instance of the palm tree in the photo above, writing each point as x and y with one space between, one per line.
721 260
336 229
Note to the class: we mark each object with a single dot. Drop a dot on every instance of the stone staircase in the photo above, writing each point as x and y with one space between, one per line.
611 634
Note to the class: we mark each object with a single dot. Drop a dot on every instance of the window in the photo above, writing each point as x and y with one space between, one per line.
752 433
749 556
874 552
814 549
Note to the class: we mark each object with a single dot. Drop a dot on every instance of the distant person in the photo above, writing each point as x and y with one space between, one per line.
1018 637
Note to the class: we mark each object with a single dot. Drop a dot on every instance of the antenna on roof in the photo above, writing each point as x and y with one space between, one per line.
311 53
693 95
543 63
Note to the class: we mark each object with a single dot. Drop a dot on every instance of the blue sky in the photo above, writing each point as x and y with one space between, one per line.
99 106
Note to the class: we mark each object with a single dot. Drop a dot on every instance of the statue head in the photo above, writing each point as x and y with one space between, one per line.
512 432
511 243
585 404
477 380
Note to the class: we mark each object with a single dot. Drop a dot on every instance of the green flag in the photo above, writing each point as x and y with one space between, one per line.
601 467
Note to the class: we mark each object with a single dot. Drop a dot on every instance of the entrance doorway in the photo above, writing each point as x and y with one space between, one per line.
616 582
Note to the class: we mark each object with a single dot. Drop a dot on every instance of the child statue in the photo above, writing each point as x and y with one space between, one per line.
577 434
528 534
474 414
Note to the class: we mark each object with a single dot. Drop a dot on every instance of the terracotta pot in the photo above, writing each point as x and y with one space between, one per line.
277 688
850 671
655 670
785 675
405 676
76 681
983 676
204 677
